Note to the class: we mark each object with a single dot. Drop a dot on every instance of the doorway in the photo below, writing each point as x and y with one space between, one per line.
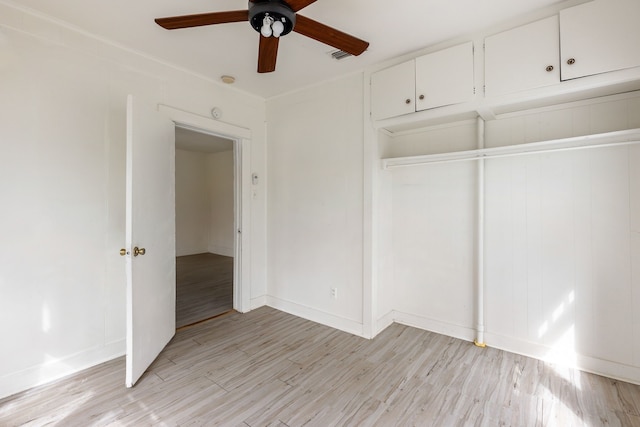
205 177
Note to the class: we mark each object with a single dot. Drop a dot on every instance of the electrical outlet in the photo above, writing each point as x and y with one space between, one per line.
334 293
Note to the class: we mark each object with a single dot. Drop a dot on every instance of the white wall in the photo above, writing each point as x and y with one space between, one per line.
315 207
193 205
62 163
562 248
433 227
204 203
221 203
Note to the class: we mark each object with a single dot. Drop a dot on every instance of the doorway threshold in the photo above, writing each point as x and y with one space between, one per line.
217 316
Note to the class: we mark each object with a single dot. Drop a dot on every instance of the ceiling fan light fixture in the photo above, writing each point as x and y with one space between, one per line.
277 28
271 17
266 30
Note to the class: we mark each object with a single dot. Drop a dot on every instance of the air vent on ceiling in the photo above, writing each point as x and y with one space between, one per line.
339 54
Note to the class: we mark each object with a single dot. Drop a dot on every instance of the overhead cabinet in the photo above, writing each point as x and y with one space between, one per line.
526 57
433 80
599 36
393 91
591 38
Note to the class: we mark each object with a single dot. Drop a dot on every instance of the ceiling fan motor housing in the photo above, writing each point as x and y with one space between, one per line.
276 9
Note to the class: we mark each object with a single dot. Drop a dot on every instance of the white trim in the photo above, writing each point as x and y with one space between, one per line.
258 302
327 319
466 333
193 251
370 217
199 123
594 365
47 372
384 322
242 258
242 201
220 250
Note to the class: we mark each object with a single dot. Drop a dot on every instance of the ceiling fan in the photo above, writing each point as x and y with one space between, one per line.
272 19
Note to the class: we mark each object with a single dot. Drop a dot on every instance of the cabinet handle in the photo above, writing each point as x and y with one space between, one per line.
549 68
407 101
421 97
571 61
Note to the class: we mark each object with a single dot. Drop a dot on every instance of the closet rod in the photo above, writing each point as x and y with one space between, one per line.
622 138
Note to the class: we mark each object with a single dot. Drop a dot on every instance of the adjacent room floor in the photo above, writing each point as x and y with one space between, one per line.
204 287
268 368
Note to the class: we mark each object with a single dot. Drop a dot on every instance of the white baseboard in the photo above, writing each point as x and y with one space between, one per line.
584 363
258 302
44 373
437 326
384 322
191 251
221 250
317 316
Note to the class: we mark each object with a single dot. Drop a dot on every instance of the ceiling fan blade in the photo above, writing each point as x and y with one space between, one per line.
268 54
331 36
188 21
296 5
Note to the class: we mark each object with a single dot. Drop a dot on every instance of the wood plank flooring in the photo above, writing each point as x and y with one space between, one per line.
268 368
204 287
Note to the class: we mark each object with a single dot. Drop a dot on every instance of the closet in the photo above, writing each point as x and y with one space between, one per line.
512 217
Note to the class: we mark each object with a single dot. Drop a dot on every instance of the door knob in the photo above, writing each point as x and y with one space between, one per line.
123 252
139 251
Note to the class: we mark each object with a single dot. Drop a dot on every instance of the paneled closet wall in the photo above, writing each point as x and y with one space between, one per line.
561 237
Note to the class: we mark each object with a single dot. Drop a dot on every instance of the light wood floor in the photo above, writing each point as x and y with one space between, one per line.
204 287
268 368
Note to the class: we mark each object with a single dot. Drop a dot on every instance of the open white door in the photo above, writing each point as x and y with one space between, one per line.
150 237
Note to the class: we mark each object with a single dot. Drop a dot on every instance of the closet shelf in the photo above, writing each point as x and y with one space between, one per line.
609 139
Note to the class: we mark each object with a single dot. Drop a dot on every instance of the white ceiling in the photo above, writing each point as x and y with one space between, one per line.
393 28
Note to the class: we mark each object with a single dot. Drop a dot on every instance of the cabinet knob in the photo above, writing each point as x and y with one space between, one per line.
571 61
549 68
421 97
407 101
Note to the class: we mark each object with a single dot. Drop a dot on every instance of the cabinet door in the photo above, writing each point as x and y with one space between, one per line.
444 77
525 57
599 36
393 91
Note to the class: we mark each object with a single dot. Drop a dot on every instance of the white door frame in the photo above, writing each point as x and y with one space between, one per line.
241 138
